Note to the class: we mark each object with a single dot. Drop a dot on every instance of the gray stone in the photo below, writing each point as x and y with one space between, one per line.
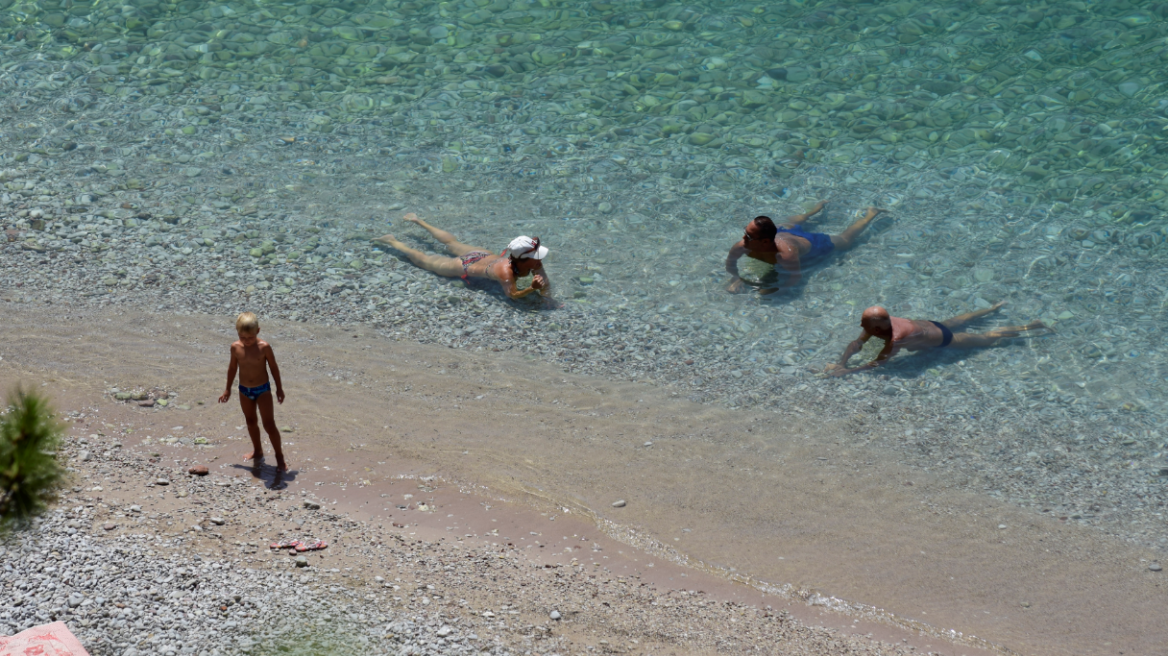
1130 88
620 503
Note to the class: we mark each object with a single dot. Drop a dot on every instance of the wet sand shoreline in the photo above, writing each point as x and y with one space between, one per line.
804 506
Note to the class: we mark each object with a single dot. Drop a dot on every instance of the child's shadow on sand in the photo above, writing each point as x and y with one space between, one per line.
272 478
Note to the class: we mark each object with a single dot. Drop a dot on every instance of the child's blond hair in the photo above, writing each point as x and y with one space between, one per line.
247 323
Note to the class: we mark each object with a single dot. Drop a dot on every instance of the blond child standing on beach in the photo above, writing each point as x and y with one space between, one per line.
252 357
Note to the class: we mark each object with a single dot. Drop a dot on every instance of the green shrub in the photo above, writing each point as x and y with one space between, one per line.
29 472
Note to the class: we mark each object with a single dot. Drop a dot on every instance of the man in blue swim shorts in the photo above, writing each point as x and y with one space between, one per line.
789 248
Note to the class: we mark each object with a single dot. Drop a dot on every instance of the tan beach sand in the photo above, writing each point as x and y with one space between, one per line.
730 491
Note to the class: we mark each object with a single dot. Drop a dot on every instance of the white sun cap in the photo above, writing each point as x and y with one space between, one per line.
526 247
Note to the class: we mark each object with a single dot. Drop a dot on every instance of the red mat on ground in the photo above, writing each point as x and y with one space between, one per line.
45 640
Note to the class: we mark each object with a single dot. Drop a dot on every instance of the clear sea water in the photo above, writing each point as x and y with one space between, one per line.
1019 146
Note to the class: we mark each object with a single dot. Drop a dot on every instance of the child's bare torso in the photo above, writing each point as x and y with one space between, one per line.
252 361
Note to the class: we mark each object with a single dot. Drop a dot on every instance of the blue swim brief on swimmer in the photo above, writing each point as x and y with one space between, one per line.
946 334
820 243
254 393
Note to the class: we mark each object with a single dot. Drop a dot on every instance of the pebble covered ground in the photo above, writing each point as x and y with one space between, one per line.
216 157
140 557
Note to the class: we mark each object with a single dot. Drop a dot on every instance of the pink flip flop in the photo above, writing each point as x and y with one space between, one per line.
312 546
286 544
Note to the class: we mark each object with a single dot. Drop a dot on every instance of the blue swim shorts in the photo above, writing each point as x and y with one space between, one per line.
254 393
821 245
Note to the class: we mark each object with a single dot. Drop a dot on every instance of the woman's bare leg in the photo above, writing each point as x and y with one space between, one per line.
970 340
451 267
455 247
962 319
792 221
847 238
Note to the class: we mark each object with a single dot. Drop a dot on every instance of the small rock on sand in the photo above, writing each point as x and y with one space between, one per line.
199 470
619 503
312 505
301 561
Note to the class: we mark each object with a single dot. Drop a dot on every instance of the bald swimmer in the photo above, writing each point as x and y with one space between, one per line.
918 335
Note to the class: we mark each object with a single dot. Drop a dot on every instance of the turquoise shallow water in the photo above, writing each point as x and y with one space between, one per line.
1059 103
1019 146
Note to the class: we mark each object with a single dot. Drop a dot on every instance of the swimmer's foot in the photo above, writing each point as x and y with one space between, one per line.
389 240
412 218
257 456
963 319
768 290
800 218
873 212
1019 331
281 466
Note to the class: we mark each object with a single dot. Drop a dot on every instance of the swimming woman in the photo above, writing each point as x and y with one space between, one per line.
523 256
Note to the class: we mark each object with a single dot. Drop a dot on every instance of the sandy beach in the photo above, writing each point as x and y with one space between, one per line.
656 465
797 517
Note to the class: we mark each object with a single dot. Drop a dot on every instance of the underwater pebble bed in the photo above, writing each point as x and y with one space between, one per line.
212 157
